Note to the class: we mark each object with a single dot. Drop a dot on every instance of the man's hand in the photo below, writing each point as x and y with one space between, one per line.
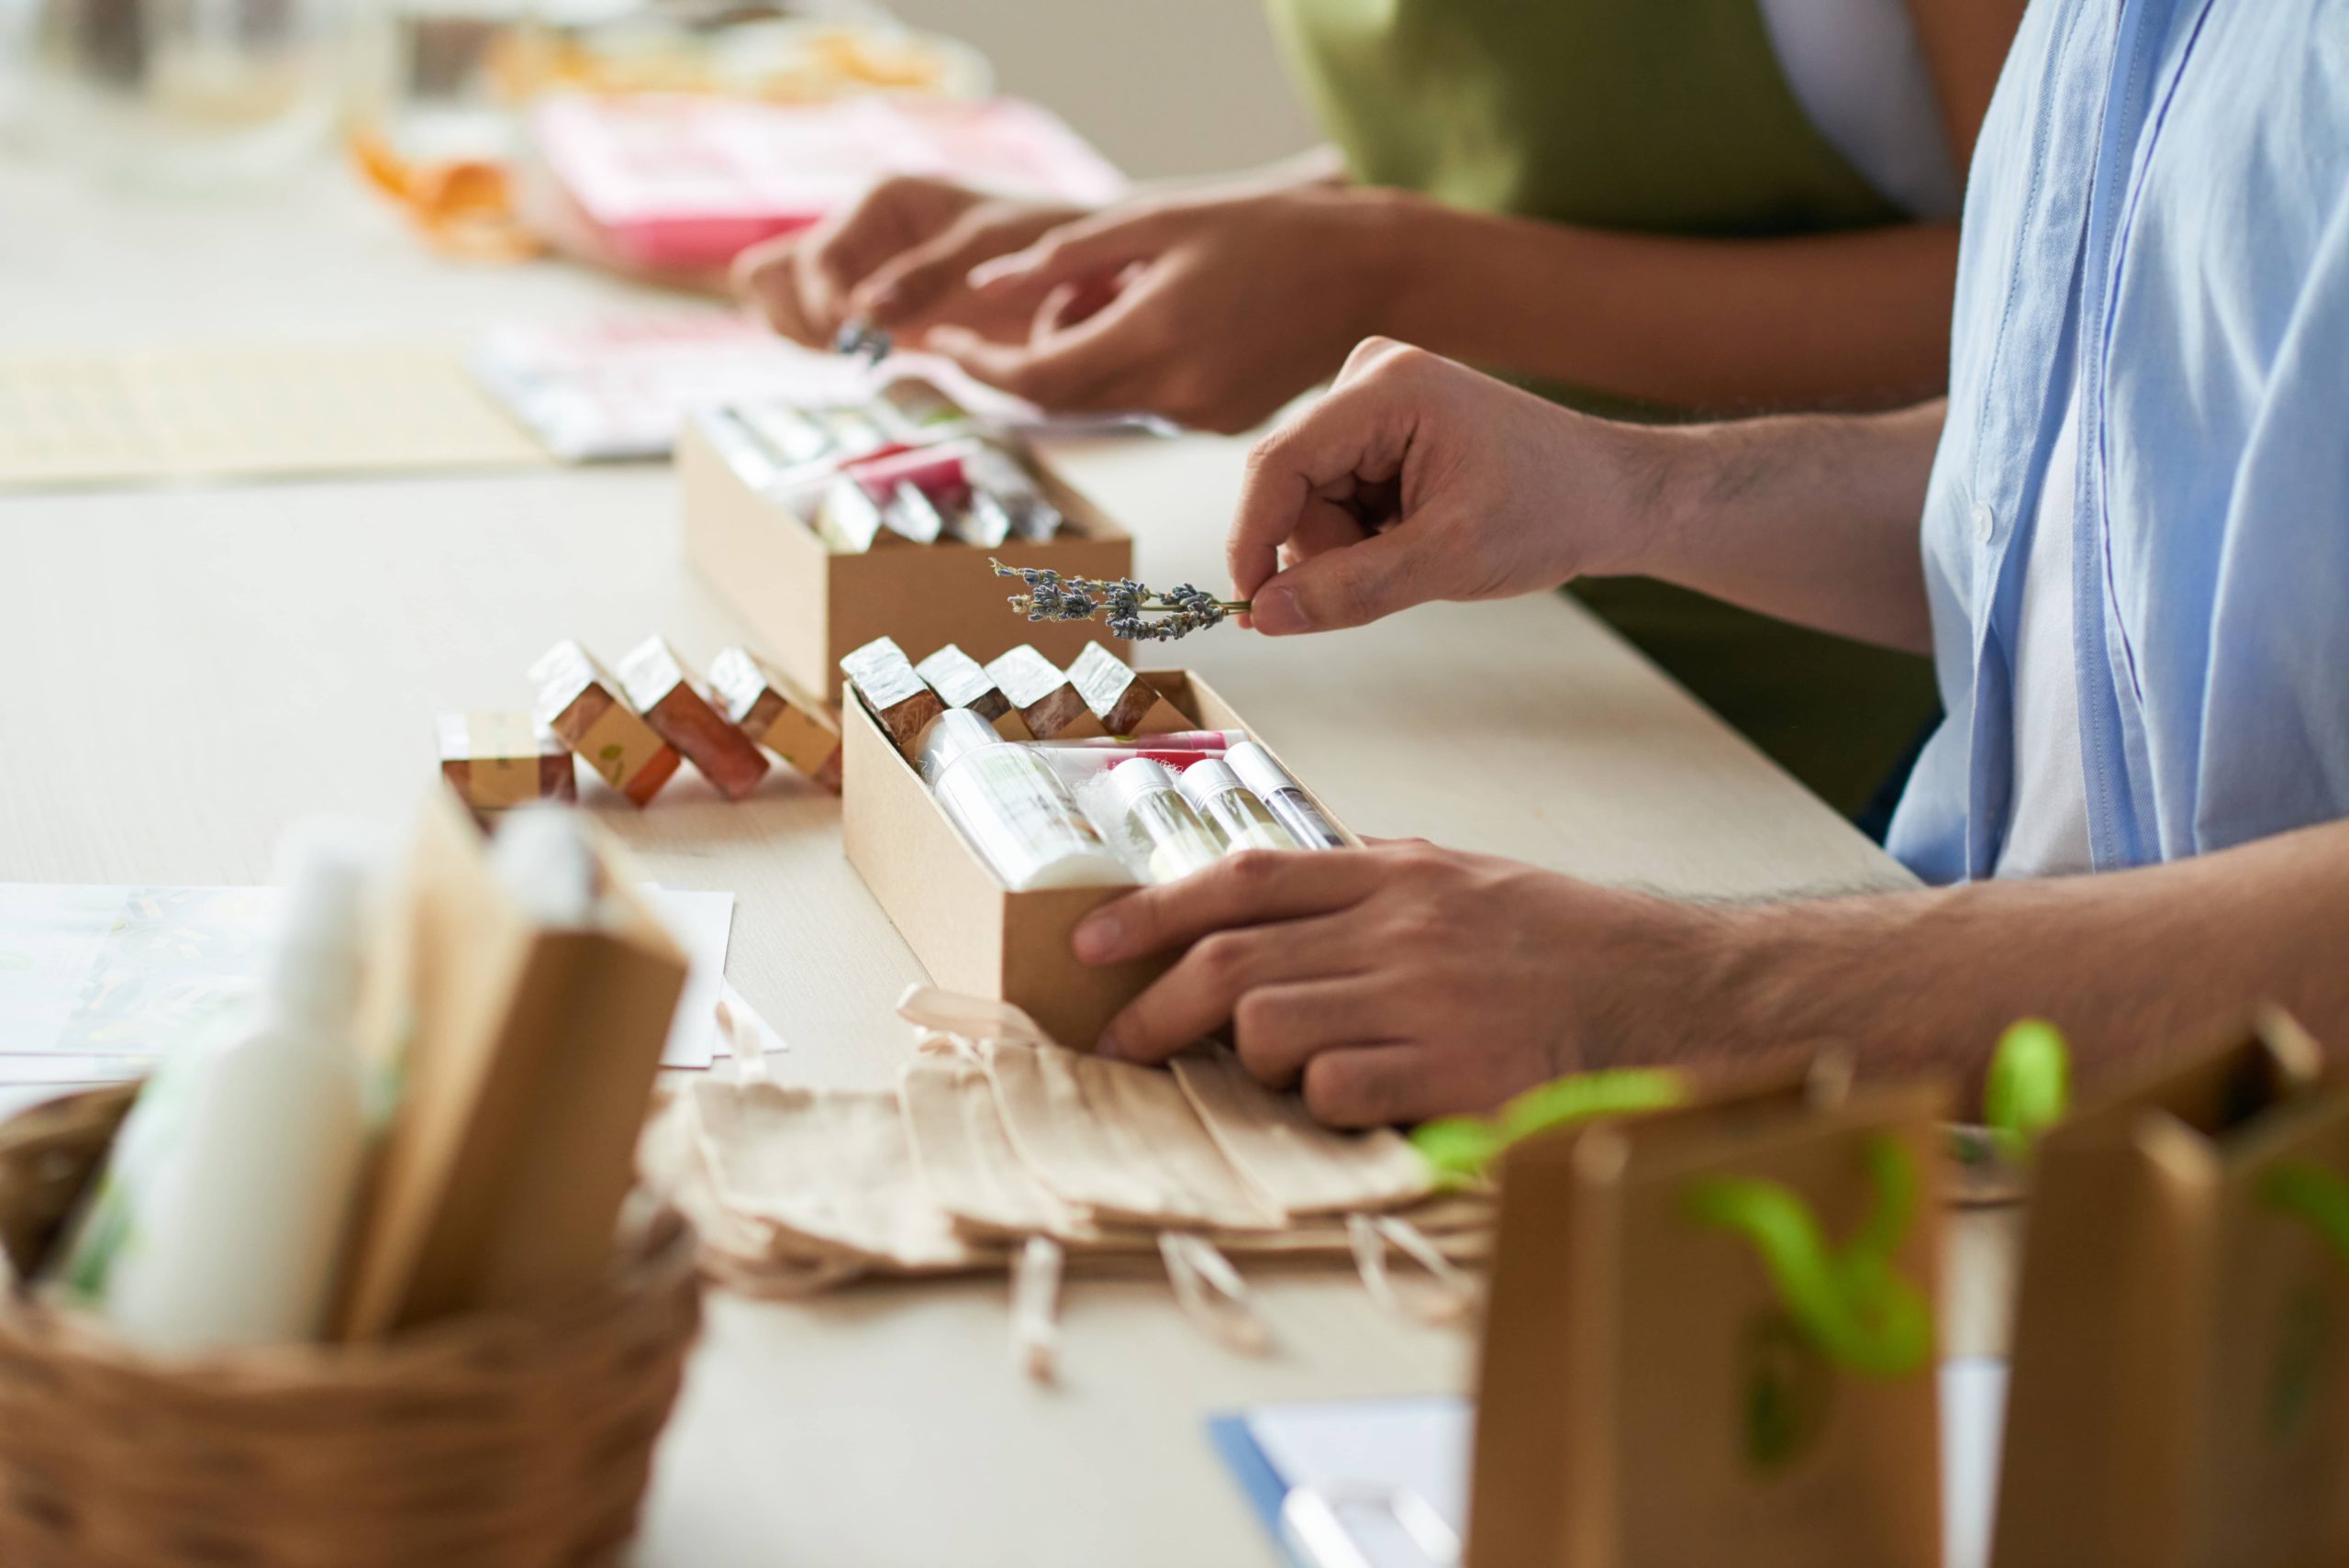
1209 309
1417 479
899 258
1394 983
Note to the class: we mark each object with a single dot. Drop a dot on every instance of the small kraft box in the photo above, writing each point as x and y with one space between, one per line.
1709 1336
2179 1395
811 604
972 934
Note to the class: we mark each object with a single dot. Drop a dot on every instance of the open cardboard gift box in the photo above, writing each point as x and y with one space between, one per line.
971 932
811 604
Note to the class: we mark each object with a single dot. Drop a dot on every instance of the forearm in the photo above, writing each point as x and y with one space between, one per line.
2129 965
1811 517
1315 166
1857 319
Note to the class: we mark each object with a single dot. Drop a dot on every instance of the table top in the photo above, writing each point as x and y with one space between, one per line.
192 667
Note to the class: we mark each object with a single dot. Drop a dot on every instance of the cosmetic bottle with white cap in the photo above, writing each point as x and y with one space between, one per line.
1159 827
1231 811
1012 808
1284 796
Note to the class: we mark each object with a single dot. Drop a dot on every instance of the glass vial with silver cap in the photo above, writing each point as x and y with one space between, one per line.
1284 796
1231 811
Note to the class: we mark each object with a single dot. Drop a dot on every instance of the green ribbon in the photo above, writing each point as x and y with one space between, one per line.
1462 1148
2030 1085
1851 1304
2313 1194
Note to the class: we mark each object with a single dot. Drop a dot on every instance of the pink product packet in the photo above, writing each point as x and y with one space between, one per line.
686 182
1204 742
935 471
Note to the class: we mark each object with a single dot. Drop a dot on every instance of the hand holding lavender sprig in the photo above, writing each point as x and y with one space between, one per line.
1130 610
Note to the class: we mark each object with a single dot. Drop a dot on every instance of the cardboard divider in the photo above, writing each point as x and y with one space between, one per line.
811 604
971 932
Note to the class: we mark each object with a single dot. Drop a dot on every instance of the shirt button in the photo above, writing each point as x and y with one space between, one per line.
1985 522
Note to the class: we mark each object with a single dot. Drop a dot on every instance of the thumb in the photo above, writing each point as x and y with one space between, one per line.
1073 253
1353 585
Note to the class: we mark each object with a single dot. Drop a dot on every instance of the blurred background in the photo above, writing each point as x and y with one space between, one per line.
1160 87
214 90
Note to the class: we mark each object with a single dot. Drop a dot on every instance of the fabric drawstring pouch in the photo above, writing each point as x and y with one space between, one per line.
1000 1151
1290 1160
1120 1139
827 1173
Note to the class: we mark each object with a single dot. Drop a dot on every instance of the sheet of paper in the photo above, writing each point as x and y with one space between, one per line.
1423 1444
703 924
99 972
750 1033
248 411
613 387
98 982
1974 1415
1419 1445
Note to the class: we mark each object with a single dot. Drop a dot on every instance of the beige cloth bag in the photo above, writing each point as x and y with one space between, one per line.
1001 1150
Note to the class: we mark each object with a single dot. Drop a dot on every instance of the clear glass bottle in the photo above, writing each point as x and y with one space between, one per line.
1290 805
190 93
1012 808
1159 826
1231 813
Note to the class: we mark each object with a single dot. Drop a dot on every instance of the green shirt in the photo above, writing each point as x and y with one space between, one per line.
1662 117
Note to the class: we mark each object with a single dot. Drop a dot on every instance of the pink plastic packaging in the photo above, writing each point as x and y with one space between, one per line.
677 180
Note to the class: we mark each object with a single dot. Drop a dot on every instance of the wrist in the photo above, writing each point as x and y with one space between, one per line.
1395 248
1671 482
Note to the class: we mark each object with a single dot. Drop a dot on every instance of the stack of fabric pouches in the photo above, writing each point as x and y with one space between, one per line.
999 1150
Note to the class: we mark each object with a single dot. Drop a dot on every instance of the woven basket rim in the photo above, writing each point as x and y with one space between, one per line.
655 1255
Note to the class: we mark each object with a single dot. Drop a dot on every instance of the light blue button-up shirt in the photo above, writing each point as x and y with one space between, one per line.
2163 184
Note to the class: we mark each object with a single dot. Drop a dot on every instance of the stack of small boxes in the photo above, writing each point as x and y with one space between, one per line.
1024 694
636 727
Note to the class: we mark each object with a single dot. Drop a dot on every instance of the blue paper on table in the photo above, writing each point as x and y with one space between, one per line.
1384 1482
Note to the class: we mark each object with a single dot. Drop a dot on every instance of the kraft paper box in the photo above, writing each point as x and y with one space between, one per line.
2179 1393
972 933
526 1057
810 603
1648 1398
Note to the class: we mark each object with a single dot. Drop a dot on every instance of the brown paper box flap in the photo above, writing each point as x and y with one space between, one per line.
528 1059
2216 1090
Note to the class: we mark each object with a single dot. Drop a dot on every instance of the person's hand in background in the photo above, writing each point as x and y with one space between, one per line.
897 257
1211 310
1417 479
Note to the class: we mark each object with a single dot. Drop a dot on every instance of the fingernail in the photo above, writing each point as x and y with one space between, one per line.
1275 611
1096 938
995 271
950 341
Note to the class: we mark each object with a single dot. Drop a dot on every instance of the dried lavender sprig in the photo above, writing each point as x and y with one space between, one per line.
1123 604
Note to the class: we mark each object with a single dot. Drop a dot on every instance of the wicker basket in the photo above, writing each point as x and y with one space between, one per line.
518 1442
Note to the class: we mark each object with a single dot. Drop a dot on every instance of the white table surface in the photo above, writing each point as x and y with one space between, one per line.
192 667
